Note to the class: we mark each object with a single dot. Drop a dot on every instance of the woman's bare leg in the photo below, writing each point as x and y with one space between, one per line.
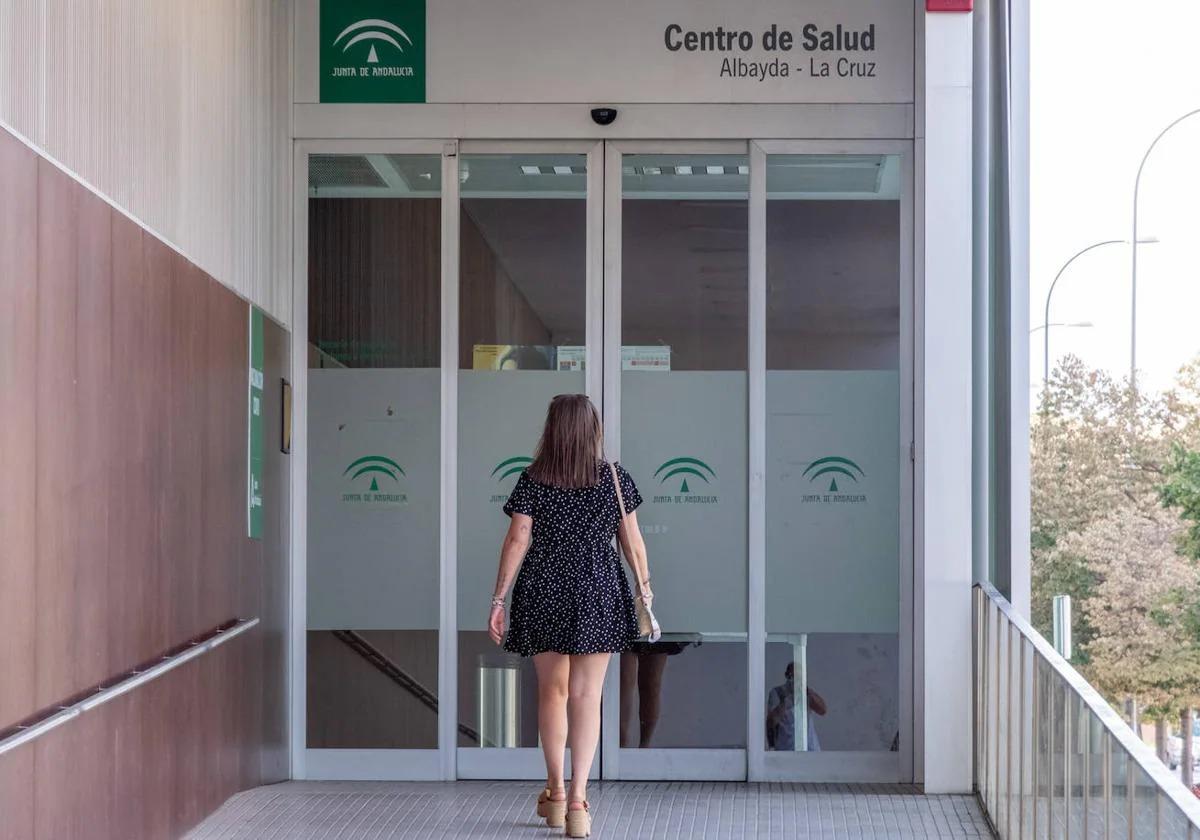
583 714
553 673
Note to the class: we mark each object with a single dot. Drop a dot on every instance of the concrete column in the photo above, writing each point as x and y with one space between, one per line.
944 397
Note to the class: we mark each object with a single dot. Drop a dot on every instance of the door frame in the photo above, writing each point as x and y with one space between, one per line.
653 763
603 331
841 766
518 762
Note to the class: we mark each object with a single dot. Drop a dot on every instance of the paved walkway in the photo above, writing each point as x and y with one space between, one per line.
624 810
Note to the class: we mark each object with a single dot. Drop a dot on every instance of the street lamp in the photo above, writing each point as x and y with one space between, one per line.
1046 323
1077 324
1137 182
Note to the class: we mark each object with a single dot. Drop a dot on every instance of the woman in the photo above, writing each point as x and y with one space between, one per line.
571 606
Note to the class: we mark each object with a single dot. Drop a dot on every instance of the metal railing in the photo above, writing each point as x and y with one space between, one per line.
24 733
1052 758
381 662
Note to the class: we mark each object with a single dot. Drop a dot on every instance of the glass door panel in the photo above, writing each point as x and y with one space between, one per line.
374 279
522 321
834 361
683 414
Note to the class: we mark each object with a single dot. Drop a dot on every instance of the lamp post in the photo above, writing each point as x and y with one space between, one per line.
1069 324
1046 323
1137 182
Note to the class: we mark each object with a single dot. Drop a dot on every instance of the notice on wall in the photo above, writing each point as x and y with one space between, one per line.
513 357
254 428
372 50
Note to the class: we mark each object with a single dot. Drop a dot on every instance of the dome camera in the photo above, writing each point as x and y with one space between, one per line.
604 116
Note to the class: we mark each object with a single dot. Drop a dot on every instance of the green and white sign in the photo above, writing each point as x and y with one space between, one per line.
372 51
254 445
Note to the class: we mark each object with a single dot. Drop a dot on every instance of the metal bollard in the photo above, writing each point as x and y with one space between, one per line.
499 700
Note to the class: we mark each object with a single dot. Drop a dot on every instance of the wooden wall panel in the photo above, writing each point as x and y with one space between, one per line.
74 283
122 506
374 280
492 309
18 432
95 409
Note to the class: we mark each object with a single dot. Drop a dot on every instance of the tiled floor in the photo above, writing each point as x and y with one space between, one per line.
344 810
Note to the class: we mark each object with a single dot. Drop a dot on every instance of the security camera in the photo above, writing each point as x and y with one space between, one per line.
604 116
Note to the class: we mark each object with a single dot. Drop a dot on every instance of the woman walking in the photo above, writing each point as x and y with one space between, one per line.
571 605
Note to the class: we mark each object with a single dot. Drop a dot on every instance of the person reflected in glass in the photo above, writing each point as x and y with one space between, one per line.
642 668
571 604
781 714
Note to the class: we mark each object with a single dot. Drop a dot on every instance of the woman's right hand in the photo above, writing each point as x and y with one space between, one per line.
496 624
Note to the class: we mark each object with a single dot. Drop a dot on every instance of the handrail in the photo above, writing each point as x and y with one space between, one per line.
25 734
381 662
1137 750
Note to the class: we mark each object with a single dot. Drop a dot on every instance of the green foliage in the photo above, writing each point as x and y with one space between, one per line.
1116 524
1181 491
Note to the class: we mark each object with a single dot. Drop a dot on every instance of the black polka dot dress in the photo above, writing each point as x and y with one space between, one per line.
571 595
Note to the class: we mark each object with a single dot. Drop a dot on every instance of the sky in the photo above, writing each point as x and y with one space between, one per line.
1106 77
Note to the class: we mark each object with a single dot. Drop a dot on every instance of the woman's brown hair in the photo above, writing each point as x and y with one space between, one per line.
571 444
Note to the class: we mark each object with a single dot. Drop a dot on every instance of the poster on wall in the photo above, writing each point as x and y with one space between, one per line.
372 51
513 357
254 428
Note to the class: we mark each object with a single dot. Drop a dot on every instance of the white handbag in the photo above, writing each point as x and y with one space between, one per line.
647 624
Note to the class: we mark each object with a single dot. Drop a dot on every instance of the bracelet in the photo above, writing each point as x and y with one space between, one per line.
497 601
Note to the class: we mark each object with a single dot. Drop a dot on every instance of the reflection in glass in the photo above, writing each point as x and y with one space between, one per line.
522 316
832 444
661 705
683 437
374 463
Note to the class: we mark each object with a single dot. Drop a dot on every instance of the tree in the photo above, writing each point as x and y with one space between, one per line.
1142 643
1181 491
1113 492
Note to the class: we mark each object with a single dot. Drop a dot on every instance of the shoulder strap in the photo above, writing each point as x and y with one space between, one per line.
617 484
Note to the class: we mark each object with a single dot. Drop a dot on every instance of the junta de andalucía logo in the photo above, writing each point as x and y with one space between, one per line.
685 469
835 467
381 476
372 31
372 51
505 470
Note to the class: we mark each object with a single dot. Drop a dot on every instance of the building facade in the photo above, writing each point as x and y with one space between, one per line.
781 245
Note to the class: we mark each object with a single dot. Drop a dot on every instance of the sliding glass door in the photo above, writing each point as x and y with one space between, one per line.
741 312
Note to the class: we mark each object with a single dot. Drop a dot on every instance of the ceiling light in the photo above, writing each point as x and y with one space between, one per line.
716 170
530 170
562 170
683 170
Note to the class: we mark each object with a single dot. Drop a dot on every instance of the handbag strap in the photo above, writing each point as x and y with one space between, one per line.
620 497
621 506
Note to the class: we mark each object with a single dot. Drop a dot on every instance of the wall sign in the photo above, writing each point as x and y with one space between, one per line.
254 428
372 51
670 51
